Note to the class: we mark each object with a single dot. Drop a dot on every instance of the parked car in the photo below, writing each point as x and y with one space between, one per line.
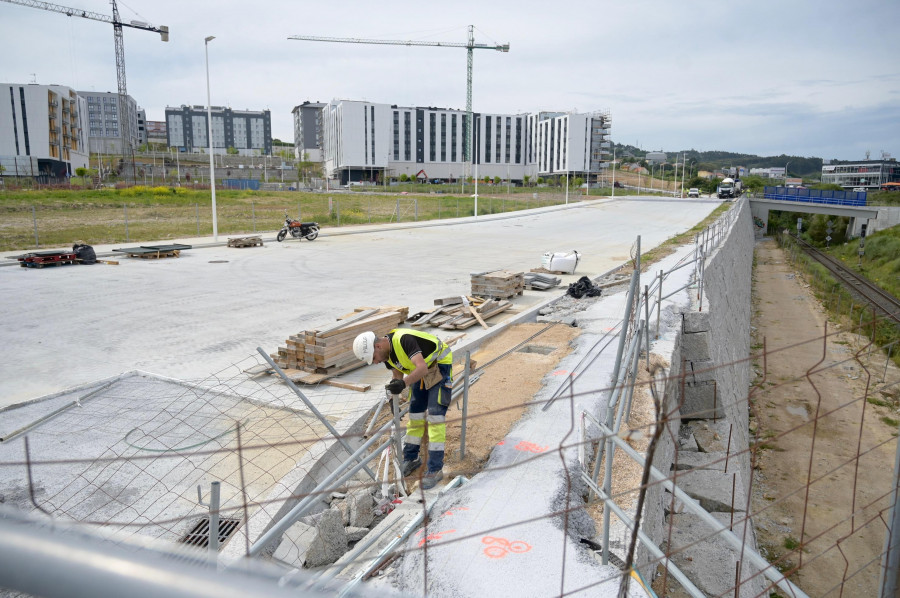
693 192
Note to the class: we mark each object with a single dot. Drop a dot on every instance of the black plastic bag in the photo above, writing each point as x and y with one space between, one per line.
84 253
583 288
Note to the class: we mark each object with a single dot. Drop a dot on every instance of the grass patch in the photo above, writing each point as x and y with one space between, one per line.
879 402
890 421
791 543
58 217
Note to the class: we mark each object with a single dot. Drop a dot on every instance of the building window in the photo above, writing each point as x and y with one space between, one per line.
508 136
487 139
407 128
443 137
518 140
453 138
396 135
432 135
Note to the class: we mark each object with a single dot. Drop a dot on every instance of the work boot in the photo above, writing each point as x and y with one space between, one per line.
410 466
430 479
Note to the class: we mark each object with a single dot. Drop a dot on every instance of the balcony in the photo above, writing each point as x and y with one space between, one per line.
54 130
52 103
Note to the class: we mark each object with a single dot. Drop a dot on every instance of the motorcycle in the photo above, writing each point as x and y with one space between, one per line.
298 230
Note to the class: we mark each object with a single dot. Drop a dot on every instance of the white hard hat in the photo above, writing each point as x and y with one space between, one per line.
364 346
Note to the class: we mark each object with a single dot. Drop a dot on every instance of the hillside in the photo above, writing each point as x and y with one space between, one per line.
711 160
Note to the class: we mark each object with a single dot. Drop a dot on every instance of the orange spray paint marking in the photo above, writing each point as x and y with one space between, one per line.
435 536
450 512
561 373
501 443
530 447
500 547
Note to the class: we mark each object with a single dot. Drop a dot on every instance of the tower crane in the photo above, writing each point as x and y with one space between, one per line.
124 109
470 45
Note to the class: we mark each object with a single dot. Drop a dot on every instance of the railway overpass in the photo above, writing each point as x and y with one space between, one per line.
858 214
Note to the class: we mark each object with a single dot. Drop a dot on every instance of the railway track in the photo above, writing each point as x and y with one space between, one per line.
861 286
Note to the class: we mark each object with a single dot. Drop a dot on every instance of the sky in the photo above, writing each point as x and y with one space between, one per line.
768 77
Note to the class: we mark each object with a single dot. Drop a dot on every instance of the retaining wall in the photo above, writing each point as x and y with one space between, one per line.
709 377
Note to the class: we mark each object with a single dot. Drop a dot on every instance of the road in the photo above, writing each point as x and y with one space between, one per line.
191 316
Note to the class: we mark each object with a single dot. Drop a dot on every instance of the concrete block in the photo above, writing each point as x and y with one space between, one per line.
355 534
330 541
701 402
713 490
708 560
294 544
361 512
698 460
700 370
695 346
711 435
695 321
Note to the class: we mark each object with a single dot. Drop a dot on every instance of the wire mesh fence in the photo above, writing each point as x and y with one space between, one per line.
684 507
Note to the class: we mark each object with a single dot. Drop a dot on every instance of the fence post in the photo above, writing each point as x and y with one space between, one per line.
253 213
197 216
398 209
890 566
214 504
465 407
337 209
659 303
126 222
34 221
416 205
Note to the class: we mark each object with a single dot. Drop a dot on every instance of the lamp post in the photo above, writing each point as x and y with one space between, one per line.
212 165
785 173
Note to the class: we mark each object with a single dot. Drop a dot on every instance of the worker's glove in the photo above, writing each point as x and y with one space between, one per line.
395 386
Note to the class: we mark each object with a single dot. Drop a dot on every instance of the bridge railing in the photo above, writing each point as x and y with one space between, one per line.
840 198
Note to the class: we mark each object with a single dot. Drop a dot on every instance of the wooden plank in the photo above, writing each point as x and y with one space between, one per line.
347 385
449 300
347 320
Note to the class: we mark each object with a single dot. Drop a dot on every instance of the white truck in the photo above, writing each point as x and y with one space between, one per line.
729 188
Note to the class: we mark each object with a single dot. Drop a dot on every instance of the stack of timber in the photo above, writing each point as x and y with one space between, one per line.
328 350
500 283
254 241
452 314
540 282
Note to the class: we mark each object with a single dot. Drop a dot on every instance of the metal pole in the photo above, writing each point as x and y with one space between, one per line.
214 490
212 166
659 303
398 209
34 220
395 406
465 408
253 213
890 566
197 212
647 326
311 407
338 210
416 204
126 222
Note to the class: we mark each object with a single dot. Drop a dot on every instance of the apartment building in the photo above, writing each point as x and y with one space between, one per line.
42 131
109 129
363 140
249 132
309 136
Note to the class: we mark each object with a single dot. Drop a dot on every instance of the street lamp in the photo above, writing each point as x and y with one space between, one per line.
785 173
212 165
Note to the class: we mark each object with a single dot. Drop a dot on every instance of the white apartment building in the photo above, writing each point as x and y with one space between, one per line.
109 129
363 140
42 131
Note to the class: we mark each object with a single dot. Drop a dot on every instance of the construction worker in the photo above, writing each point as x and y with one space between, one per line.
422 362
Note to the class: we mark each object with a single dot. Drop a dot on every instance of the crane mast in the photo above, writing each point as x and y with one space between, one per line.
470 45
125 116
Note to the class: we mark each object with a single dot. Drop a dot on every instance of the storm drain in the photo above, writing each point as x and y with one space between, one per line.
199 536
542 349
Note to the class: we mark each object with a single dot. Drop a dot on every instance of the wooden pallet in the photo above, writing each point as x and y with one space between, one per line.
500 283
47 258
154 252
245 242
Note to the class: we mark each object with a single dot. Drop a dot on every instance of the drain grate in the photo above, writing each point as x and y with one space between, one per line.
542 349
199 536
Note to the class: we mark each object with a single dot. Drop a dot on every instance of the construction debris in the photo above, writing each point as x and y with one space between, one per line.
540 282
500 283
255 241
39 259
453 314
311 356
154 251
